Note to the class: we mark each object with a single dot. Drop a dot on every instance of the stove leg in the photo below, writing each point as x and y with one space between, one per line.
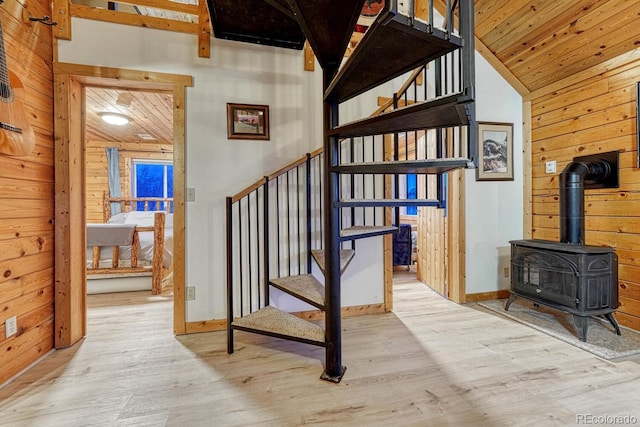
511 299
582 324
612 320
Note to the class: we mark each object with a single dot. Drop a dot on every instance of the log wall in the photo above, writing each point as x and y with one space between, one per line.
27 198
591 112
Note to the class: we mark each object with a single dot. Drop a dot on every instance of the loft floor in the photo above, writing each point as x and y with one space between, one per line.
458 366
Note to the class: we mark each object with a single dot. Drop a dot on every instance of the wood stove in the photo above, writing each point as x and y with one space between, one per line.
579 279
569 275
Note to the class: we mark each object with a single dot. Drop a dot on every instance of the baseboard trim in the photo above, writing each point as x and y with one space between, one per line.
221 325
485 296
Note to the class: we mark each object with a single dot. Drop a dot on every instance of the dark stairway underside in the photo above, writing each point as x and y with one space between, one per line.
255 21
395 45
328 25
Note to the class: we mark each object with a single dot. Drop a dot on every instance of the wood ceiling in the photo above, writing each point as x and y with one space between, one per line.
151 115
541 42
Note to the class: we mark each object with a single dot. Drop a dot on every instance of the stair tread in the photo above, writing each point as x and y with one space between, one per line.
443 111
403 45
346 255
304 286
363 231
422 166
387 202
328 26
274 322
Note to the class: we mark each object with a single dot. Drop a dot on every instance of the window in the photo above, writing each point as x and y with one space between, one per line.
412 193
152 179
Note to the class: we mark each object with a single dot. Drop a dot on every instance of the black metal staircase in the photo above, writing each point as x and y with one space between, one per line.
396 43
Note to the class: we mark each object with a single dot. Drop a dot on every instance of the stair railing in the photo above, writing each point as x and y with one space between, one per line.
438 78
272 227
275 223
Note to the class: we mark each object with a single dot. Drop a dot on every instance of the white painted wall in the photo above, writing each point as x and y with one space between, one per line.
494 209
218 167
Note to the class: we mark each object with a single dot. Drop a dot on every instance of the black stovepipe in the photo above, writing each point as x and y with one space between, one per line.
572 181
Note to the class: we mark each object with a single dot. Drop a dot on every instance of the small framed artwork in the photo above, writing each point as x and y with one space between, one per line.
247 121
495 152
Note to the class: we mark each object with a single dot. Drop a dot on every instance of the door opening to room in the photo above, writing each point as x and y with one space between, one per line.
129 178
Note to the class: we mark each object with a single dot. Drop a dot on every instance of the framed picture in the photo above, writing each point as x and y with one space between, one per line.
246 121
495 152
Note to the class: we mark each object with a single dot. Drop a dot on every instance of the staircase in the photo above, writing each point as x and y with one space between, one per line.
323 215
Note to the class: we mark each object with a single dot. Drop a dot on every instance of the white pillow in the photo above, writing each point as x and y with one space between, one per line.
141 218
118 218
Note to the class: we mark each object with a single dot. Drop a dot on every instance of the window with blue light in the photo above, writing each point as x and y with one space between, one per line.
152 179
412 192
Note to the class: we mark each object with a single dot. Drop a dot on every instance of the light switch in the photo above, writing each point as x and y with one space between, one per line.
191 194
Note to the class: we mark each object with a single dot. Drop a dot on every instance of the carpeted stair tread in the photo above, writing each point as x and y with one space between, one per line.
274 322
304 286
346 255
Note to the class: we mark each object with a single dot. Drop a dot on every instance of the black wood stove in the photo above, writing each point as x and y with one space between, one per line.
569 275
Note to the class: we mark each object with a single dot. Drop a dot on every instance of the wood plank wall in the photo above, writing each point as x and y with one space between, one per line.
97 178
593 111
433 252
27 198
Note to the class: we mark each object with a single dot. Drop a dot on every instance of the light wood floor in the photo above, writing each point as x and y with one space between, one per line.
430 363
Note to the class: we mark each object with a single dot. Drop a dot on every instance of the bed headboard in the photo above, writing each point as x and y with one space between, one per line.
128 204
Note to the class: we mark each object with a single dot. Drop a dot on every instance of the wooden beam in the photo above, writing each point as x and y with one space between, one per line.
62 15
191 9
86 12
309 57
101 76
179 210
204 30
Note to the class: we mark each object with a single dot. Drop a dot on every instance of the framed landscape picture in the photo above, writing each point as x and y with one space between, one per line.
247 121
495 152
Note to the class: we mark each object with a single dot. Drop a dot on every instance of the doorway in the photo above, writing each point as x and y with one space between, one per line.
70 83
128 140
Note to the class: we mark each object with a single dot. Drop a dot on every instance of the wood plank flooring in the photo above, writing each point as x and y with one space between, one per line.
431 362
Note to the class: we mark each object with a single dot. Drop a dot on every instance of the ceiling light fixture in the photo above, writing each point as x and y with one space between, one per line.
115 118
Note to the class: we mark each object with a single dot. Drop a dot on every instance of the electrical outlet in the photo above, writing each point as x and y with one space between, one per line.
506 272
550 166
191 293
11 326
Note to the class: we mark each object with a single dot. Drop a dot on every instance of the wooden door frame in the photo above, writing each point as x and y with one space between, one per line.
70 234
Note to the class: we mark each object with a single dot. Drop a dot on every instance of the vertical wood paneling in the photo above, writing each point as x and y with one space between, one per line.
70 260
593 112
27 199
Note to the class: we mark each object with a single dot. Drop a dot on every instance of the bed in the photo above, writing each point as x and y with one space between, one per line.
138 241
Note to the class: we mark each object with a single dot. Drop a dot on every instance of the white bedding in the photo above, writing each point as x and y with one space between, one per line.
145 251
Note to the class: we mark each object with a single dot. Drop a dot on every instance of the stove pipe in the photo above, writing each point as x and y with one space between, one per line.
572 181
